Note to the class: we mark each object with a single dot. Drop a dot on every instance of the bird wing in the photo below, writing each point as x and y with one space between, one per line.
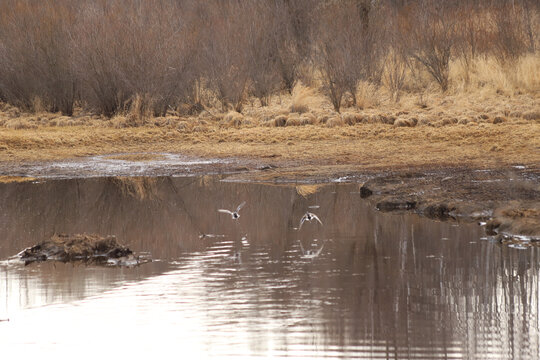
316 218
225 211
302 222
240 206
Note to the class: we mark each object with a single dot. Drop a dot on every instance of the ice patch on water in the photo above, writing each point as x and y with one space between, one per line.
164 164
519 246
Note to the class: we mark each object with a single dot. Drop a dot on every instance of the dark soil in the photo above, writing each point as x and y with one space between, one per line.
508 200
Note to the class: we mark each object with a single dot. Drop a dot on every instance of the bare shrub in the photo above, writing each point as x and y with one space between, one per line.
173 56
510 40
263 66
133 48
394 75
225 59
291 33
35 54
346 48
432 38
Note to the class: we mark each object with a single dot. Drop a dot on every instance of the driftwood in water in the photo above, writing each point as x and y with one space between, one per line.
93 249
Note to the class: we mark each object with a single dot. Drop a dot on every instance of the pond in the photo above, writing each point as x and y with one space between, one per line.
363 284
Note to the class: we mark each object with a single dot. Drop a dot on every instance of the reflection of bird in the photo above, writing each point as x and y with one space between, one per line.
310 254
234 214
236 256
245 241
308 217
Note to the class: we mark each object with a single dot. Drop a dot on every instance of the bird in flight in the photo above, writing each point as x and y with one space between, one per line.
309 217
234 214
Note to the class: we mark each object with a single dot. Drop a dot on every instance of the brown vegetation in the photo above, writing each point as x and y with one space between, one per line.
349 83
155 57
93 249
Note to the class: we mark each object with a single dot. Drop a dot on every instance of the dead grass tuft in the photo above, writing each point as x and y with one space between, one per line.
294 120
309 119
351 119
334 121
279 121
499 119
406 122
424 121
233 119
367 95
19 124
532 115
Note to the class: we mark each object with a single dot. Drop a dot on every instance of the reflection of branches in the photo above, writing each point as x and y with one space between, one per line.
138 187
182 205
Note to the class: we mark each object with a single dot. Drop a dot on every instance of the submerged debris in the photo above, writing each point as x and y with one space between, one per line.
394 203
440 211
517 241
91 249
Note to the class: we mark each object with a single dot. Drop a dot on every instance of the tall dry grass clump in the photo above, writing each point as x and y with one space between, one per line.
303 99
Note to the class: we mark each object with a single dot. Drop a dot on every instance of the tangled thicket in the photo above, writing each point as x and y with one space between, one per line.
104 55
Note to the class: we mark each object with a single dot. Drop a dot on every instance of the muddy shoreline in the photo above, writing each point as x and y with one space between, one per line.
506 198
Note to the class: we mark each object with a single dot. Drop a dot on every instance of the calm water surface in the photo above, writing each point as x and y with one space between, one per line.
382 286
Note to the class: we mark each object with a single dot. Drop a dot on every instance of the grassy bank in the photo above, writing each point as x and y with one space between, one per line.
369 139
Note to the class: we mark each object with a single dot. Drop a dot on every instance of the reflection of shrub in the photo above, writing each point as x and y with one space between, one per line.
139 188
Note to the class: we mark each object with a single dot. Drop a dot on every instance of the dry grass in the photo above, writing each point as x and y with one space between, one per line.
304 99
522 76
361 146
494 120
15 179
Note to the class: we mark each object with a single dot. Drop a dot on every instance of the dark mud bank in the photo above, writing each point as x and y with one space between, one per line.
507 201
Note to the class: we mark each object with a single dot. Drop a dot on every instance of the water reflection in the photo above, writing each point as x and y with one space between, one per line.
385 286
